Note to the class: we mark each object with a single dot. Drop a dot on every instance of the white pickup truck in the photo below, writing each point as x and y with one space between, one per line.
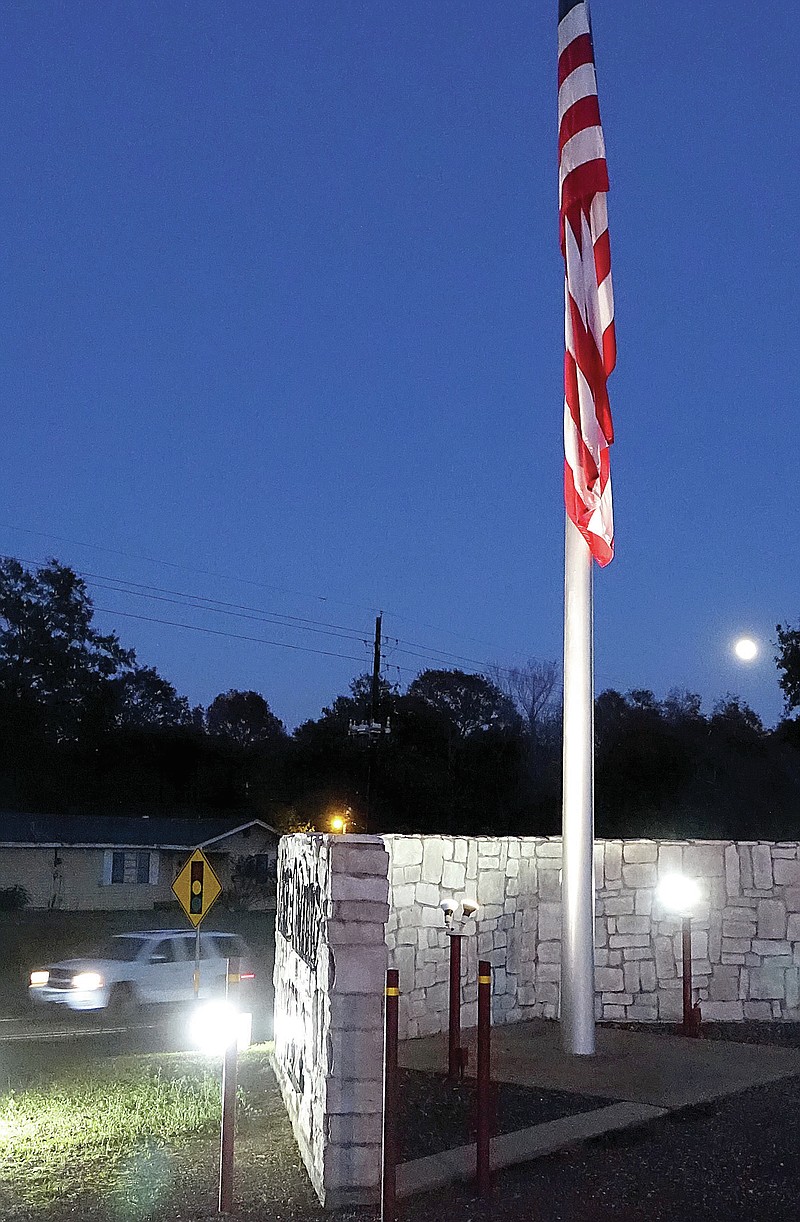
140 968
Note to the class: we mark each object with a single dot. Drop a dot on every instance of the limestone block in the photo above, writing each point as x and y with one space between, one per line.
670 859
704 860
447 848
427 895
726 958
360 1130
640 953
633 924
549 921
403 897
354 1096
460 850
368 889
547 994
745 865
409 874
792 986
620 905
600 956
732 871
665 958
612 864
735 946
550 972
615 958
792 897
619 941
722 1011
632 976
514 848
640 1012
489 846
432 860
644 901
599 863
639 850
647 975
738 927
472 860
549 952
355 1058
609 979
772 947
670 1005
512 867
549 885
355 859
639 875
500 939
767 983
491 886
787 873
406 937
724 984
354 933
600 933
616 999
771 919
785 848
549 848
699 943
793 927
613 1012
762 867
757 1011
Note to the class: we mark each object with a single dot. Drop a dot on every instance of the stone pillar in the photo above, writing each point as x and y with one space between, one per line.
330 968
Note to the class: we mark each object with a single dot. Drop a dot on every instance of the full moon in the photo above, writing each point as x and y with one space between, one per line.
745 649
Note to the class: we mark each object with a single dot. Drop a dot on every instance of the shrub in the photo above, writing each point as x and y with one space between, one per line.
13 898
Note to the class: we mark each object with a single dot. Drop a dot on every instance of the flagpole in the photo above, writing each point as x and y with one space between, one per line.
577 888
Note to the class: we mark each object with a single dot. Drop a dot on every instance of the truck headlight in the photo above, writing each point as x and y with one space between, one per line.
87 980
39 978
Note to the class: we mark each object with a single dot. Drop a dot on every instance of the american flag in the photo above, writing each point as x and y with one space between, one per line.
589 302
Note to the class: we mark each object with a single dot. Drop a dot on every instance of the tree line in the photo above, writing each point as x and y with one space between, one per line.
85 727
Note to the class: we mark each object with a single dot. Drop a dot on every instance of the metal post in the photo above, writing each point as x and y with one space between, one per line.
691 1012
390 1099
577 894
484 1088
229 1075
196 976
455 1064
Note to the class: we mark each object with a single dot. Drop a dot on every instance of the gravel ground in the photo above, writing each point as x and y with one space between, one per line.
438 1115
735 1160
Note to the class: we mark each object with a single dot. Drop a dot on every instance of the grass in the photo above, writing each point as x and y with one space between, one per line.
111 1125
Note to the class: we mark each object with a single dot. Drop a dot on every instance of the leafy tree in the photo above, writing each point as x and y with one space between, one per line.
54 665
244 719
145 700
469 703
788 660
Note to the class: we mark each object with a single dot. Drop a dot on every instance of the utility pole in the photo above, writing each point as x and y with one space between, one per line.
376 683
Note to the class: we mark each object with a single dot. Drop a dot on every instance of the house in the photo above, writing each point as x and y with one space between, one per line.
102 862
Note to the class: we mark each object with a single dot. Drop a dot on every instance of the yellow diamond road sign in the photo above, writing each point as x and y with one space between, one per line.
196 887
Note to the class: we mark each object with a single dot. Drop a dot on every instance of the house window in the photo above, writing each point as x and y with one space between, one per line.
137 868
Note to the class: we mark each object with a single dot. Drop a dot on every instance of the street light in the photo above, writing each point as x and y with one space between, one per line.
681 895
455 916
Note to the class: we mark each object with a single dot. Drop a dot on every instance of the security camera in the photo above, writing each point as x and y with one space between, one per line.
469 907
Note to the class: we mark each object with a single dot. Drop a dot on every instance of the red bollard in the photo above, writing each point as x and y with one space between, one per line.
390 1099
691 1012
484 1088
229 1075
455 1061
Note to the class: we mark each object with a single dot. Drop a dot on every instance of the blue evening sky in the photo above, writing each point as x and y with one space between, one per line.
282 310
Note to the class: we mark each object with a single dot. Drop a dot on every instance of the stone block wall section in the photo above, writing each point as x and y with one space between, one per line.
745 942
330 972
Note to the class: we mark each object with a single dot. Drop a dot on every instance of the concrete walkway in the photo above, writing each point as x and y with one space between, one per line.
661 1070
648 1074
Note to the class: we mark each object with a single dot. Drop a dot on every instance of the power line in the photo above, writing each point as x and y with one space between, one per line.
234 636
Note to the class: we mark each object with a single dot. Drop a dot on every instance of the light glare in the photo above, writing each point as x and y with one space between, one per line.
39 978
678 894
87 980
216 1025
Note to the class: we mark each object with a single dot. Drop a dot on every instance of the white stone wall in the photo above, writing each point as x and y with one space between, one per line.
745 943
328 1053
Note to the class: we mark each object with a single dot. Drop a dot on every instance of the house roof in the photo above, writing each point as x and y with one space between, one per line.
113 831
